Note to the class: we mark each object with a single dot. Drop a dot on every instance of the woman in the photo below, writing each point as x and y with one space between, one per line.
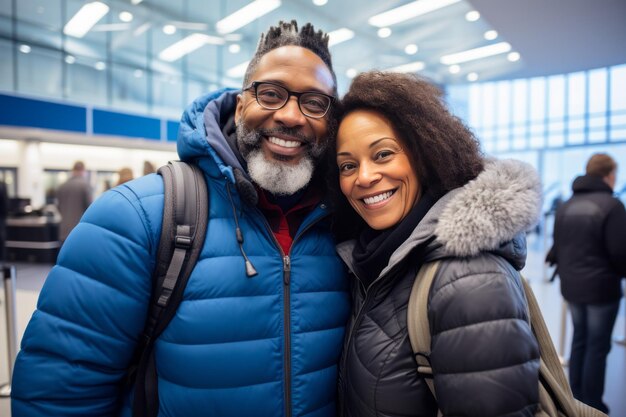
415 176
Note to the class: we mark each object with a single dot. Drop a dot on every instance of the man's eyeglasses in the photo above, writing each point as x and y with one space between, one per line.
274 96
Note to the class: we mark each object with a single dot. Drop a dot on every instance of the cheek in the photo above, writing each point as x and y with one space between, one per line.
345 186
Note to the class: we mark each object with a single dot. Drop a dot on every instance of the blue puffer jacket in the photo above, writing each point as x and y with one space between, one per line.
225 353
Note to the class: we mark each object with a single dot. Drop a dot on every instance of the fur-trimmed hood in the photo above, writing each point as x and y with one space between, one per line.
489 213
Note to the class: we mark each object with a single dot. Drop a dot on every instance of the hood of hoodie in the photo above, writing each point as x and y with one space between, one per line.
489 213
200 132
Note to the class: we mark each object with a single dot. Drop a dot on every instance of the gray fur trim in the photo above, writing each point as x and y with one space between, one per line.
502 201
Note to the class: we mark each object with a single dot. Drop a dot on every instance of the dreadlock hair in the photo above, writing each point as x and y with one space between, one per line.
288 34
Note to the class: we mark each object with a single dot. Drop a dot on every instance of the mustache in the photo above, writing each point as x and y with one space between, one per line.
293 132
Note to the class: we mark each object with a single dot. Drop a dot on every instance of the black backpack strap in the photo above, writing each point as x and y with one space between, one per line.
185 216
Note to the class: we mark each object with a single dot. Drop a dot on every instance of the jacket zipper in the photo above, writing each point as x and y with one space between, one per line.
287 305
357 320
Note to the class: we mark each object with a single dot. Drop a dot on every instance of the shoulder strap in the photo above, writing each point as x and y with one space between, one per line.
417 321
183 229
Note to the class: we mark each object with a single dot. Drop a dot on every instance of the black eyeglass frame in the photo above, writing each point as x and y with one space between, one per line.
255 84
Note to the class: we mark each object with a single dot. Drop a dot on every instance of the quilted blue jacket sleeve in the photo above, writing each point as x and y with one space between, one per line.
92 307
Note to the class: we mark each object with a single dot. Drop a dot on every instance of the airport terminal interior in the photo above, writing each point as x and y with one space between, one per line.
105 82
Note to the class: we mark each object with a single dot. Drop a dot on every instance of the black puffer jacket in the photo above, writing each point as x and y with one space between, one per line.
484 357
590 243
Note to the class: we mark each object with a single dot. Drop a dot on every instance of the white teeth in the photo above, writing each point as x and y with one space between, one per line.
284 143
378 198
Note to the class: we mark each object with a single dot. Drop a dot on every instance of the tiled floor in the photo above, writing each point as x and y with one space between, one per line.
30 278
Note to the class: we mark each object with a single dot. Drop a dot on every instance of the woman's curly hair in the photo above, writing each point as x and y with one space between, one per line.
444 152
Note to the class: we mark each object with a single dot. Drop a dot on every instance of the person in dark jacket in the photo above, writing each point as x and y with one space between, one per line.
416 178
261 342
73 196
4 212
590 253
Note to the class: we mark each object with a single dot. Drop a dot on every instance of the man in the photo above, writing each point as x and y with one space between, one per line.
243 343
74 196
590 251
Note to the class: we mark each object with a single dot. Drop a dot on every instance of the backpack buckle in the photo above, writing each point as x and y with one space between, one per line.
182 242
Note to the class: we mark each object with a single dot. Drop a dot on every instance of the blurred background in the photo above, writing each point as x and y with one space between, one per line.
105 82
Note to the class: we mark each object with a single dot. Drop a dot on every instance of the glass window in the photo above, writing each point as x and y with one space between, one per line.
598 91
167 95
576 94
85 83
576 137
537 141
519 143
556 139
475 113
489 105
39 72
537 99
556 97
597 136
129 89
618 86
503 102
6 65
6 7
520 101
195 89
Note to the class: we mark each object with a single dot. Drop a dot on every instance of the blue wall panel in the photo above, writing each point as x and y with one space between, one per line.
25 112
119 124
172 131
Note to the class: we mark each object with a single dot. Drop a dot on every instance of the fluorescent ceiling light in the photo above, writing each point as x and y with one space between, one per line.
411 67
245 15
411 49
384 32
136 1
513 56
351 73
238 71
472 16
188 45
339 35
408 11
85 19
491 35
478 53
472 76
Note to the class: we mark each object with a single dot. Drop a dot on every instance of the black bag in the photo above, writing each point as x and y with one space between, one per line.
185 216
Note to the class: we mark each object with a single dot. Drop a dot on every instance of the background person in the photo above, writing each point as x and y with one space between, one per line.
590 253
414 174
125 174
261 341
4 212
73 197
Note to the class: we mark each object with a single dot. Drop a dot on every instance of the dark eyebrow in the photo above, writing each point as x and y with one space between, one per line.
282 84
373 144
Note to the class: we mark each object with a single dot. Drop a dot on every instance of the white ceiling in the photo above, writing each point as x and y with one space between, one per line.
552 36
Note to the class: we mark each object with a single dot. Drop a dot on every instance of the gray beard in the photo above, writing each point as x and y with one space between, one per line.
274 176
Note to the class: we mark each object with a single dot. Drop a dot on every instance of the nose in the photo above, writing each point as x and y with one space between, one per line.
368 175
290 115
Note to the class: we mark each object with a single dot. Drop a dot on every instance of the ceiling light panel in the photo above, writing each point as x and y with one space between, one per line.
411 67
477 53
409 11
85 19
246 14
339 35
188 45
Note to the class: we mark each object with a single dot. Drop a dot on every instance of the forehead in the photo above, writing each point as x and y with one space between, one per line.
297 68
362 127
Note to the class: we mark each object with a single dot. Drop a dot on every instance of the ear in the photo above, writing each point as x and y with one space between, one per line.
238 108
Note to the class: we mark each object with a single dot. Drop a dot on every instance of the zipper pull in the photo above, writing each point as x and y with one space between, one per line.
286 269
